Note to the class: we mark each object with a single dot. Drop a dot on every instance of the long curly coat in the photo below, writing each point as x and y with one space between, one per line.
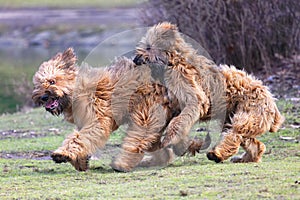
205 90
98 100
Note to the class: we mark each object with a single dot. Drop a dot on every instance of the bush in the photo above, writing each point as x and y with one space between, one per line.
250 34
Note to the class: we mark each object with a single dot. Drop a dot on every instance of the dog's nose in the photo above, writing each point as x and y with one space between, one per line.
45 97
138 60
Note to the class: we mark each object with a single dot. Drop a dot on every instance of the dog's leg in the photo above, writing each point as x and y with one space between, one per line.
254 151
73 151
181 147
127 160
134 145
193 102
177 133
251 124
139 139
245 127
143 135
160 157
132 152
180 126
164 156
79 146
228 146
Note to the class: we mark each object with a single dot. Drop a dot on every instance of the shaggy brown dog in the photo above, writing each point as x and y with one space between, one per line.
98 100
205 90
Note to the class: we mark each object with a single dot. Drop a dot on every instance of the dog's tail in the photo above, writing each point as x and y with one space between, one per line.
278 120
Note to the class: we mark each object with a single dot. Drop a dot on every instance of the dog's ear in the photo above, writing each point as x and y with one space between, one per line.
165 30
69 58
167 26
65 59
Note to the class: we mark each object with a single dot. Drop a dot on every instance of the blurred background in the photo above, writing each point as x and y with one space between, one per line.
262 37
34 31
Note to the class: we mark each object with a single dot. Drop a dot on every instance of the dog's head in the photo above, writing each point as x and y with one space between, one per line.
54 82
159 41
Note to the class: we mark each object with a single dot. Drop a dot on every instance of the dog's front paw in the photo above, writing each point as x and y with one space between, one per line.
81 163
60 157
212 156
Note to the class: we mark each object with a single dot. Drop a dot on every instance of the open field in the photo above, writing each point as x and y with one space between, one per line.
30 35
26 140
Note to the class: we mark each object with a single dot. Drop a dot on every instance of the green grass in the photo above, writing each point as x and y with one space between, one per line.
30 144
198 180
67 4
277 177
14 73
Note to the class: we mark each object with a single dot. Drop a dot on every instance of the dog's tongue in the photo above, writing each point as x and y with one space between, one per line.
51 104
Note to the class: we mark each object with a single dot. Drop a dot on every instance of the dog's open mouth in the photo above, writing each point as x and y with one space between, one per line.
51 104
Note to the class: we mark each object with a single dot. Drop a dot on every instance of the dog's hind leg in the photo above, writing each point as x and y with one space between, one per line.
254 151
143 135
127 160
160 157
246 125
147 122
134 146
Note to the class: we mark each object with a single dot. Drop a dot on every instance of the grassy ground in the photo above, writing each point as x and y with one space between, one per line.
26 139
66 4
15 78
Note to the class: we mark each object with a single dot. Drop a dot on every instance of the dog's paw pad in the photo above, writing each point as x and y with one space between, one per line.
212 156
59 158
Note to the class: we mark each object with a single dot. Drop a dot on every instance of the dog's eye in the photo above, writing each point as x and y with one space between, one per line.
52 82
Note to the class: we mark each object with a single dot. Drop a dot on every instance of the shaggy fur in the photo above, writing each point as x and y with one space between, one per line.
205 90
98 100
